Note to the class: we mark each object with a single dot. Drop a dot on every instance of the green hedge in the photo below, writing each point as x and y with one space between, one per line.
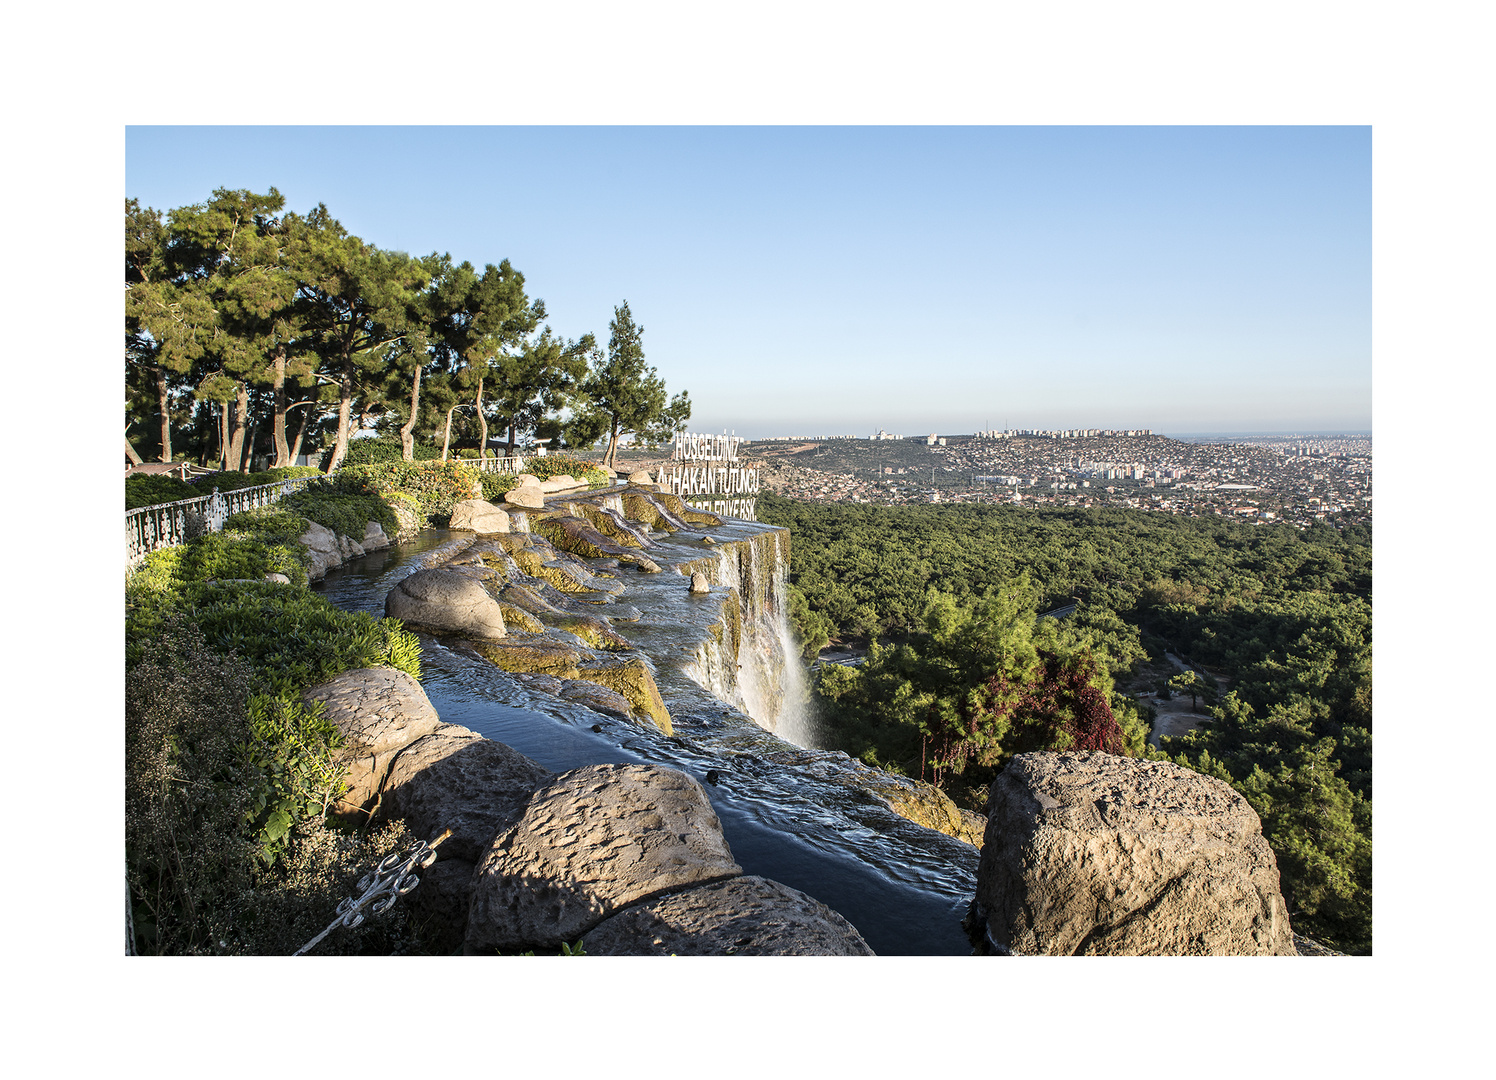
385 449
291 636
151 489
436 486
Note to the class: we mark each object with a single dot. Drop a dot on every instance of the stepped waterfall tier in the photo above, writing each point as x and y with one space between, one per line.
623 626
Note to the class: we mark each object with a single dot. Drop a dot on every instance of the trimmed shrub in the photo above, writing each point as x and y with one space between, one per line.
229 556
497 485
563 464
384 449
437 486
152 489
233 481
342 508
292 637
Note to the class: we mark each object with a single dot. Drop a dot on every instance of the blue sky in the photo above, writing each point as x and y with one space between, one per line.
839 280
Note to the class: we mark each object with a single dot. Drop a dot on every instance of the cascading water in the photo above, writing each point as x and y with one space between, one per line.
801 816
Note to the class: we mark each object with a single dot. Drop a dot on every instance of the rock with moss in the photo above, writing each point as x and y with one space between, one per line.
594 631
519 621
923 804
634 681
744 916
689 514
576 536
545 657
446 598
592 842
528 599
642 505
610 523
571 578
594 696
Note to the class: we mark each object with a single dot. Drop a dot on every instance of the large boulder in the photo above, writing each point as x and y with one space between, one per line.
561 482
454 778
526 495
634 680
446 599
375 537
1093 854
480 516
379 712
746 916
594 841
322 545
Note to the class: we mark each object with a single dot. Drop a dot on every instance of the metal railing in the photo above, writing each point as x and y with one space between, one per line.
515 465
151 528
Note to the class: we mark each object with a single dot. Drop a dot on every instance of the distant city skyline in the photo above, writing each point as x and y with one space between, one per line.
842 280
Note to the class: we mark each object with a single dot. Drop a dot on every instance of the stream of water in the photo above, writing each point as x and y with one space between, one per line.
788 811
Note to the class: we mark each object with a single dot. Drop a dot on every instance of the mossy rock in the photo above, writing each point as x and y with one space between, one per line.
528 560
503 564
728 630
594 632
543 658
576 536
576 579
522 596
633 680
641 505
605 523
923 804
689 514
519 621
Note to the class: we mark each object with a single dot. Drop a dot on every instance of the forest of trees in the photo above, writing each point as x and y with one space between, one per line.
253 333
963 670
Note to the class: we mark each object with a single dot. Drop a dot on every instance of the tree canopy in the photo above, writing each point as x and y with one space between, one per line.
961 673
244 321
624 395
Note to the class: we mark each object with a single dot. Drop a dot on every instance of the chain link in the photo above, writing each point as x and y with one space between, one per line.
393 878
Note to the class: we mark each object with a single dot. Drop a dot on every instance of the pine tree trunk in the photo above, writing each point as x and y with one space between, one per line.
447 438
131 453
164 404
407 430
482 425
345 412
223 434
283 455
235 455
306 419
509 450
612 445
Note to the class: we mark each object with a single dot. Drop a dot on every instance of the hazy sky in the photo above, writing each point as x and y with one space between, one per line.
812 280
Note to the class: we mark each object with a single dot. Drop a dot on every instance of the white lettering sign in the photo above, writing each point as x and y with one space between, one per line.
716 483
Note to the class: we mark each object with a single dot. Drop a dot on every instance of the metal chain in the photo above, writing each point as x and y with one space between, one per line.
391 879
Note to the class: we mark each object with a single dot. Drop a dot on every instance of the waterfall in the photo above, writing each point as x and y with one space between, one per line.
767 682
